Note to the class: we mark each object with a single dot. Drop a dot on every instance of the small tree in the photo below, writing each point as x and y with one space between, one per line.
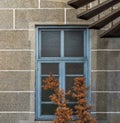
59 97
81 108
63 113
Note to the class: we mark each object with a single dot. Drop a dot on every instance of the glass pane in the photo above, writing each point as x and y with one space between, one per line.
48 109
74 44
74 68
69 82
72 107
48 68
50 43
46 94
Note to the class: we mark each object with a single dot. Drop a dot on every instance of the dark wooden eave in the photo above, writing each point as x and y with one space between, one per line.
112 32
105 20
97 9
78 3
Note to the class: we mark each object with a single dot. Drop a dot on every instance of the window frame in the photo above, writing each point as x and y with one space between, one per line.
85 60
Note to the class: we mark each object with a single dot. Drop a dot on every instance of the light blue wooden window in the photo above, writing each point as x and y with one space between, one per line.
64 52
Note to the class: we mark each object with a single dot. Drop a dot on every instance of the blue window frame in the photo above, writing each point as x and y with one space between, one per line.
64 52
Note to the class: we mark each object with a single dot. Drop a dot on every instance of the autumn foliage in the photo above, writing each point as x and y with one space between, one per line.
59 97
81 108
63 113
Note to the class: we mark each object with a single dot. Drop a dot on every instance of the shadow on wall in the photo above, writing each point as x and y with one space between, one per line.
107 81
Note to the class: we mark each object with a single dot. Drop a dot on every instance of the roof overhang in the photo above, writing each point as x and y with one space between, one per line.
114 30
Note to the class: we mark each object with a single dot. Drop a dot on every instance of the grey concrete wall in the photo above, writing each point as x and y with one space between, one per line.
17 60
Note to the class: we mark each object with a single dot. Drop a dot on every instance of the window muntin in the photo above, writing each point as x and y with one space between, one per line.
66 60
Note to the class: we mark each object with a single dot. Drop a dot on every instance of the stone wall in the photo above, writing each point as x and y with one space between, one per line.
17 60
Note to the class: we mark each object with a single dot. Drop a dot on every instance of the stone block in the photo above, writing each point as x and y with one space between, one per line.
46 122
107 117
25 18
102 1
113 118
17 39
17 81
116 6
17 60
71 17
105 60
105 81
54 4
106 102
17 102
94 3
6 23
17 118
103 43
19 4
105 13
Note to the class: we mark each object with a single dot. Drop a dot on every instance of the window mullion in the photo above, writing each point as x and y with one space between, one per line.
62 75
62 66
62 43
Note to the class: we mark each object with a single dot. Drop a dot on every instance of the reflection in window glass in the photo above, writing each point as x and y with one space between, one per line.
48 109
74 44
74 68
50 43
48 68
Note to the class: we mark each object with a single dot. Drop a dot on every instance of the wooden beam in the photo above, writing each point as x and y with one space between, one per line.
97 9
78 3
112 32
105 20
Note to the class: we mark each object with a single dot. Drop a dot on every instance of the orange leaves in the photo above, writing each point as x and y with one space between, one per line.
51 83
68 93
79 93
82 101
63 113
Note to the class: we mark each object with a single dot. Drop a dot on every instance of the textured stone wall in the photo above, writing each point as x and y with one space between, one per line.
105 78
17 60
